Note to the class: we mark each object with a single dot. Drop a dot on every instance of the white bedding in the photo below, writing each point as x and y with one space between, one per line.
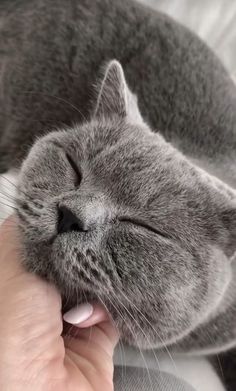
215 22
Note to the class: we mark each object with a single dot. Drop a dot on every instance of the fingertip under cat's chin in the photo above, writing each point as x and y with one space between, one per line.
86 315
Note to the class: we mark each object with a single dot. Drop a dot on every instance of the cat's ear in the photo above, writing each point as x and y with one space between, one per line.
228 217
115 97
225 211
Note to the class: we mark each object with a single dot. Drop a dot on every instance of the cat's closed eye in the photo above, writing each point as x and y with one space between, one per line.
143 224
75 168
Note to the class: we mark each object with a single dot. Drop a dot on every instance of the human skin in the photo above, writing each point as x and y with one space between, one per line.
33 354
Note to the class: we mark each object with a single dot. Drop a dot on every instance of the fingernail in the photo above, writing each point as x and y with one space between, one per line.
78 314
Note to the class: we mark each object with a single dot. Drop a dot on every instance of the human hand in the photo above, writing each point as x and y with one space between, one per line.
33 354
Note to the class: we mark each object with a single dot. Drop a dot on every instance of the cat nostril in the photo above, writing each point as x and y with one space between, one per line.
68 221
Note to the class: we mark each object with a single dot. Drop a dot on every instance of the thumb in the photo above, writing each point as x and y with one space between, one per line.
92 323
86 316
91 343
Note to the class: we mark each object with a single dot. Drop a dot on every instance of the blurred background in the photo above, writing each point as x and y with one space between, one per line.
213 20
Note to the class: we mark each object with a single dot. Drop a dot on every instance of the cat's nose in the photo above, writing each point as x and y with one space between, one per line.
68 221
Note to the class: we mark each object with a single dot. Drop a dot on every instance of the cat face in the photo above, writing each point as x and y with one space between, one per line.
111 212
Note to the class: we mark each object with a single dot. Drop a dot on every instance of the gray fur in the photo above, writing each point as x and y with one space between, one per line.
161 229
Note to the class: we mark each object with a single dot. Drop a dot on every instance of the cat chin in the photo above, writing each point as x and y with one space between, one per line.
131 332
153 336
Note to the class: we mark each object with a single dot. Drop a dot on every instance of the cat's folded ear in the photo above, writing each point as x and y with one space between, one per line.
114 96
220 213
226 212
228 217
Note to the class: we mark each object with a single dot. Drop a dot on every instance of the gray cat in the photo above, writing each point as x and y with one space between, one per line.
129 204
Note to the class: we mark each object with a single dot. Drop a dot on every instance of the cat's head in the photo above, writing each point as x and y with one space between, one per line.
109 211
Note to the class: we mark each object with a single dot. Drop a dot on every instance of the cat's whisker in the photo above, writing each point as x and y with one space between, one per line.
67 294
121 344
56 123
16 188
217 355
90 335
144 317
9 196
68 332
135 339
2 199
8 205
86 301
83 295
6 197
12 205
77 295
57 98
164 345
6 191
8 180
6 188
112 320
143 332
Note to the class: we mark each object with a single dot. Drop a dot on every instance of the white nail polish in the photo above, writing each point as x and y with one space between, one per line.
78 314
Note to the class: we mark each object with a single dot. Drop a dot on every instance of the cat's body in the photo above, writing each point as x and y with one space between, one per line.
50 57
53 51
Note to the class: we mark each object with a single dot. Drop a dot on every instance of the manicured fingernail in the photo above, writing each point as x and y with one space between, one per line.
78 314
